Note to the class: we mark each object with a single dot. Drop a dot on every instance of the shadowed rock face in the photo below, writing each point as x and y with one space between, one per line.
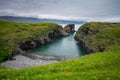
69 28
43 39
98 36
83 34
46 38
38 41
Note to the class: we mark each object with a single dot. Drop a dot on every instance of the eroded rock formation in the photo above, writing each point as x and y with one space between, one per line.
43 39
69 28
48 37
84 37
97 36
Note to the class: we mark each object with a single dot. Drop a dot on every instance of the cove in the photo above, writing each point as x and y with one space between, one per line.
62 47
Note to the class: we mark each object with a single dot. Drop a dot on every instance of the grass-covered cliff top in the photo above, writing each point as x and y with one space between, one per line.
13 33
99 35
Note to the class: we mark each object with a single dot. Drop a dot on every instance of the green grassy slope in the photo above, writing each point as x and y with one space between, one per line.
99 35
99 66
13 33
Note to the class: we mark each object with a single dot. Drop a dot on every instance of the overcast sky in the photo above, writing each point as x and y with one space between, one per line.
88 10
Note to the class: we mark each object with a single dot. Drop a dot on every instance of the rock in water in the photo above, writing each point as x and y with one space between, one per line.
69 28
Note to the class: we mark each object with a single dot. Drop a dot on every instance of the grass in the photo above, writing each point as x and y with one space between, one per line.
100 35
98 66
13 33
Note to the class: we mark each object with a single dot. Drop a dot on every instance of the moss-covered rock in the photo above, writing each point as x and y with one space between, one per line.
97 36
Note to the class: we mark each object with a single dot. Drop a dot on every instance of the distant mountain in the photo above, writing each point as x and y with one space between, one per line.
31 19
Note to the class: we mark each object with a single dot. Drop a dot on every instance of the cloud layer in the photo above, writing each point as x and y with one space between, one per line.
90 10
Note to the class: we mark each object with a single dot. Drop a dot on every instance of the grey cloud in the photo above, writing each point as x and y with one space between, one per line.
69 9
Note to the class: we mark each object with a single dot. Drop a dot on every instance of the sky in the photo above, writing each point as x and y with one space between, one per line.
87 10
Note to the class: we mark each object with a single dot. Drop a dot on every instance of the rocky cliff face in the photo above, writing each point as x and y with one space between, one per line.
83 37
96 36
43 39
38 41
69 28
46 38
21 37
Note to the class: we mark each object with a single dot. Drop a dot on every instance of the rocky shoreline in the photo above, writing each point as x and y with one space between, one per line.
20 61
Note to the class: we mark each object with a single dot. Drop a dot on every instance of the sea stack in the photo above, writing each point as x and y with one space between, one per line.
69 28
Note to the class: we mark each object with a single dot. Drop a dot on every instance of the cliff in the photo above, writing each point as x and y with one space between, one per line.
17 37
98 36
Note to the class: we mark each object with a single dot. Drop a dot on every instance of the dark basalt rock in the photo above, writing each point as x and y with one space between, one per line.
46 38
85 35
86 31
69 28
43 39
35 42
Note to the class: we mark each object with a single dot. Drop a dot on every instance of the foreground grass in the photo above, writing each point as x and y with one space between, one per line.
98 66
14 33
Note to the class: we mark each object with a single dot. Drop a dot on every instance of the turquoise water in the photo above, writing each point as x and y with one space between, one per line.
63 47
